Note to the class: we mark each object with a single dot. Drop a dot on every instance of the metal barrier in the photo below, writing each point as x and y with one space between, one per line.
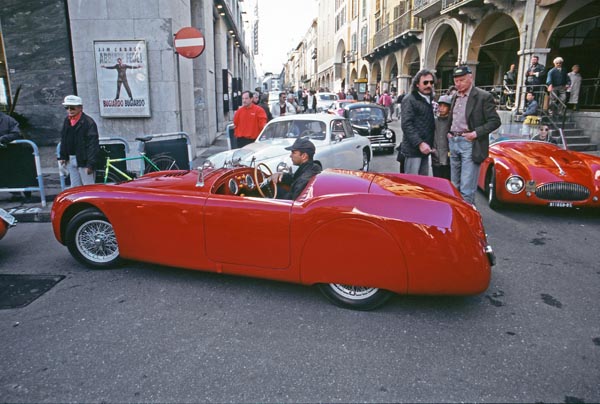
104 141
153 147
160 143
15 172
231 137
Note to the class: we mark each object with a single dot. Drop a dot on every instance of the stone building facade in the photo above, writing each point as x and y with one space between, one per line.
48 52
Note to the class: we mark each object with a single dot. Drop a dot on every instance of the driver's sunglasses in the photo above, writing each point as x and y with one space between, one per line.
425 82
70 107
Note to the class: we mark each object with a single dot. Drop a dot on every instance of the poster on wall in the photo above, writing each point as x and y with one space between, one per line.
122 76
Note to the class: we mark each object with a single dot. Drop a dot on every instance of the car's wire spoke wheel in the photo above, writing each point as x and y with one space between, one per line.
354 297
91 239
97 242
353 292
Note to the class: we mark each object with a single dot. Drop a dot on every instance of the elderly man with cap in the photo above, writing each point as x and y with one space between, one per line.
302 153
79 144
473 118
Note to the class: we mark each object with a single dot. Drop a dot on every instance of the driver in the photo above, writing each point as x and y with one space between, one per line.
302 154
544 135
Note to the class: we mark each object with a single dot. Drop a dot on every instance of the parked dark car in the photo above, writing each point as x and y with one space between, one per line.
369 120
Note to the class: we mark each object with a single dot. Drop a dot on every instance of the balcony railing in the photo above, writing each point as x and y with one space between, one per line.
450 4
426 8
406 22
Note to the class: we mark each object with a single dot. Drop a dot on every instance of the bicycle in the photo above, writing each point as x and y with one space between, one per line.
158 162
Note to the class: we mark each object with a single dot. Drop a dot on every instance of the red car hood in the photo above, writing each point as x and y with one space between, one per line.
543 162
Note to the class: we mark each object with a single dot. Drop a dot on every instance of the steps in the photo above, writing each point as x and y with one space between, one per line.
575 137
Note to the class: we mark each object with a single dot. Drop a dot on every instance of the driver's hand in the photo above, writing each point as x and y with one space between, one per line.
275 178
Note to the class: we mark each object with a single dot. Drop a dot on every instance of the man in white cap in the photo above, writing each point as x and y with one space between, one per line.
79 144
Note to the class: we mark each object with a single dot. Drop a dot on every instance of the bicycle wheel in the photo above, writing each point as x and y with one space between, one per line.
163 162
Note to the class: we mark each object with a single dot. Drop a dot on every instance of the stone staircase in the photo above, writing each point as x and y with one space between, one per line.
574 136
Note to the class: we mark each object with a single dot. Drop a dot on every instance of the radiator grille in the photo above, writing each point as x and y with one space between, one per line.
562 191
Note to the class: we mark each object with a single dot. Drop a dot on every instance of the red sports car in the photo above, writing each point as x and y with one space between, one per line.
6 220
522 170
358 235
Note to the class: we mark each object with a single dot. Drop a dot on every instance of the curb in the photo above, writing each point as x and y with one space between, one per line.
25 214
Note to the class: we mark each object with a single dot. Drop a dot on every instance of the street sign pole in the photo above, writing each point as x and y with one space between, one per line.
179 94
189 43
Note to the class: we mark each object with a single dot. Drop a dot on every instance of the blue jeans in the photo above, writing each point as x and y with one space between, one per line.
464 172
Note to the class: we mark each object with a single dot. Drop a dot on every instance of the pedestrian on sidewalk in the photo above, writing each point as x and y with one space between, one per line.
79 143
248 121
473 118
418 125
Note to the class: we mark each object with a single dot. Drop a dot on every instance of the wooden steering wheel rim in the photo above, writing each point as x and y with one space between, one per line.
263 168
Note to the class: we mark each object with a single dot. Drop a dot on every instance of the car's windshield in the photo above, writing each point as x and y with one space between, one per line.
327 97
293 129
366 114
526 133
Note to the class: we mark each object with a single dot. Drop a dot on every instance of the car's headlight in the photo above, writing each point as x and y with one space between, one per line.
514 184
283 168
388 134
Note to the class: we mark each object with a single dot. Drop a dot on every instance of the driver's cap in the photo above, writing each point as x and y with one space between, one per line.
303 145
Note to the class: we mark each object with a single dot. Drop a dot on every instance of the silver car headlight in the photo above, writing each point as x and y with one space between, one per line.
515 184
283 168
388 134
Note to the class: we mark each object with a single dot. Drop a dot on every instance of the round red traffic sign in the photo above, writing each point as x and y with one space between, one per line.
189 42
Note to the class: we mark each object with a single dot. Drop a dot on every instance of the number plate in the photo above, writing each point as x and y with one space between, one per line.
560 204
8 218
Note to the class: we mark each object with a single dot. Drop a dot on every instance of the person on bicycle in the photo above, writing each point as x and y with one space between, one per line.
558 82
79 143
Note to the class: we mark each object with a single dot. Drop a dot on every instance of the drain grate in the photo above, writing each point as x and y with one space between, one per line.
19 290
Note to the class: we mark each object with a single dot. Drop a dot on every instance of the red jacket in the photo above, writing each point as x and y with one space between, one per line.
249 121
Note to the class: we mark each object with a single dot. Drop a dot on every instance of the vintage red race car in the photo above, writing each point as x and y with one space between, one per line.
6 221
358 235
522 170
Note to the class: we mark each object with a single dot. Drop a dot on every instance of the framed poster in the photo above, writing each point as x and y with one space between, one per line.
122 76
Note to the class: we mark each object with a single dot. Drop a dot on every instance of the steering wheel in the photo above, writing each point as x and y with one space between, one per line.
265 172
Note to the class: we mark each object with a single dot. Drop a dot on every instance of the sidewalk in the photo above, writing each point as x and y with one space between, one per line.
33 211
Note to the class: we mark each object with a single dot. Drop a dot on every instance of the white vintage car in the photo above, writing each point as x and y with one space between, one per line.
337 144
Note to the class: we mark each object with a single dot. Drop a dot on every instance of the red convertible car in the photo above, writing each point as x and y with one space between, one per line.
359 236
6 221
523 170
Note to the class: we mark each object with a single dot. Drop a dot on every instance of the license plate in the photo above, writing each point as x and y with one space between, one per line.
8 218
560 204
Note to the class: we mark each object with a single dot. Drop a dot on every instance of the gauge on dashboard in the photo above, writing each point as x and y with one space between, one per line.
233 186
249 181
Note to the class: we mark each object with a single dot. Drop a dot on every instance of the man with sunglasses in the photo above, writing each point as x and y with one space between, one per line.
79 144
544 135
418 125
473 118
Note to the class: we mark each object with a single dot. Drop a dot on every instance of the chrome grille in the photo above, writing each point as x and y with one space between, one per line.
562 191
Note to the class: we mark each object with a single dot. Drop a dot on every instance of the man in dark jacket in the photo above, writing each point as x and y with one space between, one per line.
9 129
79 144
474 117
418 125
303 151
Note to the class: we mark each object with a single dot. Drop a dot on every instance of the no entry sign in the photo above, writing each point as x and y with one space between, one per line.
189 42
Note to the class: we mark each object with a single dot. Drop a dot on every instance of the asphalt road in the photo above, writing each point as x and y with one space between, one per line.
146 333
